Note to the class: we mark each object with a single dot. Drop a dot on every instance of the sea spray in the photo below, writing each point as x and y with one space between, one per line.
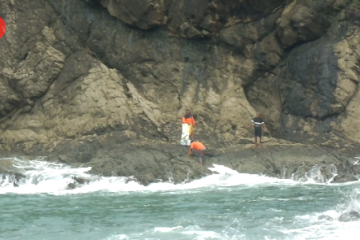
224 205
350 209
45 177
315 174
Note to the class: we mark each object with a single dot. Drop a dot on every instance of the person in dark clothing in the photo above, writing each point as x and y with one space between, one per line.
258 124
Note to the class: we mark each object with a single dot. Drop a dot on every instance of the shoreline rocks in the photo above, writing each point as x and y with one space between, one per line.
97 83
151 161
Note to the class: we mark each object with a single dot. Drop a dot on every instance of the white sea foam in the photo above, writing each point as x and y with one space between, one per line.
324 229
118 237
53 178
327 225
202 235
167 229
317 174
190 232
352 203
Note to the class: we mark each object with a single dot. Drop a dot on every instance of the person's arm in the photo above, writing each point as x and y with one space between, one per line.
183 120
191 147
265 128
251 124
193 121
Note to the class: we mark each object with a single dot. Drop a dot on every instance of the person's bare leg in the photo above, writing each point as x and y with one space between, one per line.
256 144
200 158
259 141
191 132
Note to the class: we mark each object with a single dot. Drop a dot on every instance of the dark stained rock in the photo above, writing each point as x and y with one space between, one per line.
268 52
71 186
243 34
144 14
80 180
149 162
290 161
310 81
188 18
299 23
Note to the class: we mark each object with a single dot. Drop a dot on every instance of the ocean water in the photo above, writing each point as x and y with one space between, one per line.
224 205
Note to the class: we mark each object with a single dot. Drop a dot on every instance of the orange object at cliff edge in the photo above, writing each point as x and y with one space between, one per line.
188 119
197 146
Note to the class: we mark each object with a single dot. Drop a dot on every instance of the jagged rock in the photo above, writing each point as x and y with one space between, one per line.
311 88
14 179
268 52
153 163
71 186
299 23
7 169
349 216
242 34
213 15
344 178
143 14
80 180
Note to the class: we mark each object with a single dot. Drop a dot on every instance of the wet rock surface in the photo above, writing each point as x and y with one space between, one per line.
104 83
151 161
349 216
9 172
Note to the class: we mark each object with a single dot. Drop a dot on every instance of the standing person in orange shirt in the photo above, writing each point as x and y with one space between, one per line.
189 119
198 146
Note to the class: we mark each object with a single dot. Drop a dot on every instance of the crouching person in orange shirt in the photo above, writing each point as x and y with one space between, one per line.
199 147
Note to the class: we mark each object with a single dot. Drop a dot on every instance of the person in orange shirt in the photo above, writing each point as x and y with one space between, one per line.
188 118
199 147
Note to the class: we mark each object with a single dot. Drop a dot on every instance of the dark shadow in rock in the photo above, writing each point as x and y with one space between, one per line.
245 141
209 153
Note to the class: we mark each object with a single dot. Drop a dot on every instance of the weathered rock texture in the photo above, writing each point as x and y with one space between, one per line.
78 77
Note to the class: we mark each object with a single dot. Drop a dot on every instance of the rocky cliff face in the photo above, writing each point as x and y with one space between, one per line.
78 77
